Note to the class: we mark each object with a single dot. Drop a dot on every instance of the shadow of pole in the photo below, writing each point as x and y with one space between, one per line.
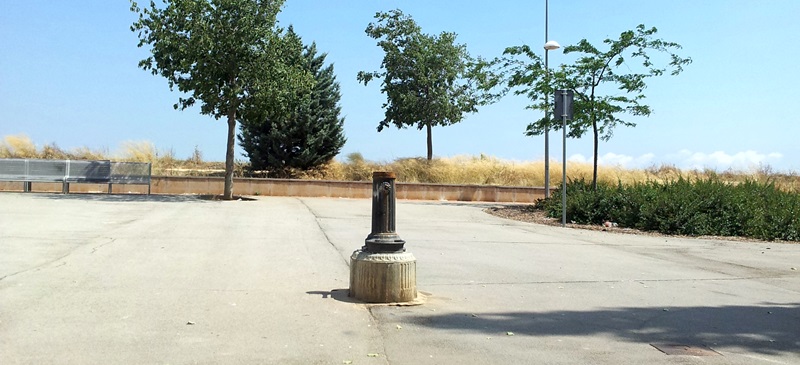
768 329
341 295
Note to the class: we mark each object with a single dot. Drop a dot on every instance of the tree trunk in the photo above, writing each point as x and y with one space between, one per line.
228 193
430 141
594 170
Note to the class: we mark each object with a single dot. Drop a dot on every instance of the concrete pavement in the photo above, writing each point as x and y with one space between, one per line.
119 279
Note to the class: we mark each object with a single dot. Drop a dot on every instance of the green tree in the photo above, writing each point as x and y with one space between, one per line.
605 83
429 80
307 132
224 54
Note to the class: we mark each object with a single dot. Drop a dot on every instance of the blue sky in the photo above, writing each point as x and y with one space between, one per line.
68 75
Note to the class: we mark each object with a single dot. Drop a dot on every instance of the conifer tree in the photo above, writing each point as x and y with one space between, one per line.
304 133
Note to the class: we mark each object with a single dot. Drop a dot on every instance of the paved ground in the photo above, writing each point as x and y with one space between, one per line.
97 279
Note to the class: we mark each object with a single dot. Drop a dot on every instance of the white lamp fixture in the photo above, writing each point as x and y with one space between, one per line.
551 45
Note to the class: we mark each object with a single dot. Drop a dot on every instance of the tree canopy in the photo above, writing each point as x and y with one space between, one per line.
306 132
226 55
429 80
596 108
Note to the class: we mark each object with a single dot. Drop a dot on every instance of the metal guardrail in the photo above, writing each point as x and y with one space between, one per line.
139 173
75 171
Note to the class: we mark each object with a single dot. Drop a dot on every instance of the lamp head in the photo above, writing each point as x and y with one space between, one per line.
551 45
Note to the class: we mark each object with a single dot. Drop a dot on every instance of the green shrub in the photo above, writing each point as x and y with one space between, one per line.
699 207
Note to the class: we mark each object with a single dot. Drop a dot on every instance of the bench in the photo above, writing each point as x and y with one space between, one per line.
66 172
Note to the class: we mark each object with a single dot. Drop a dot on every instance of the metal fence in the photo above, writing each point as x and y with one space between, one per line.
75 171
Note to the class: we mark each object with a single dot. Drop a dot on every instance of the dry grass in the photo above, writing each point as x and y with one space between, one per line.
17 147
164 161
484 170
477 170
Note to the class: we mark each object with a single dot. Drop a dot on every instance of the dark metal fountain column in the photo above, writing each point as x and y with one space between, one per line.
383 237
382 271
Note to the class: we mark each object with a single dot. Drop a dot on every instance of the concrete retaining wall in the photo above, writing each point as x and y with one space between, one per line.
305 188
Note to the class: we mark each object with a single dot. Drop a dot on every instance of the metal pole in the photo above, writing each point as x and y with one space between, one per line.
547 109
564 162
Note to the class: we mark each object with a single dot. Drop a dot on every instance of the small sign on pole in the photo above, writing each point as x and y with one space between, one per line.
563 109
564 104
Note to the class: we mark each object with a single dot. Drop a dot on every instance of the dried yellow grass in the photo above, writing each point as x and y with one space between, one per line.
485 170
133 151
163 161
477 170
85 153
19 146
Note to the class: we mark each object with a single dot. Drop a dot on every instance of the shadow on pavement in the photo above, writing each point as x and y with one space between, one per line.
341 295
119 197
768 329
453 203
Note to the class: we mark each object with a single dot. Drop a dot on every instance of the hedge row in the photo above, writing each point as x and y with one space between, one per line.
698 207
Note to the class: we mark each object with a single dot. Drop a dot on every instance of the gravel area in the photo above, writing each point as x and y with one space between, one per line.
527 213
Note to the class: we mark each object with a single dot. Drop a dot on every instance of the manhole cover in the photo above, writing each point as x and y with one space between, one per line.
689 350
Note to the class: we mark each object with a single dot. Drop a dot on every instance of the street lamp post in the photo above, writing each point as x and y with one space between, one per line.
548 46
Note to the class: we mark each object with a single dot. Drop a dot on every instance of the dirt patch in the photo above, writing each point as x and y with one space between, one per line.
529 214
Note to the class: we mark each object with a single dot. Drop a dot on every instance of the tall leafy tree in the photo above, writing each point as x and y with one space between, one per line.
307 131
225 55
429 80
607 83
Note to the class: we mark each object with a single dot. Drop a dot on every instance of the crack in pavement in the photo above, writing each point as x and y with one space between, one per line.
50 262
319 225
37 267
374 319
94 249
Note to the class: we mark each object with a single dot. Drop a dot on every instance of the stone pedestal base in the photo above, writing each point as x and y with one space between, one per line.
383 277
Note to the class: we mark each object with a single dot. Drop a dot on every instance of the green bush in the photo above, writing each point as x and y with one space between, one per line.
699 207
